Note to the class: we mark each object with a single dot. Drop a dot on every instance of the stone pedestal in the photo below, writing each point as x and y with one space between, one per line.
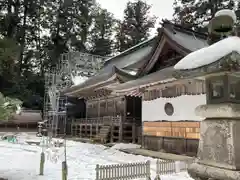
219 145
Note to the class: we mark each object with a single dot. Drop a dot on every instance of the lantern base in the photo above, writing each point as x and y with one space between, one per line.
204 172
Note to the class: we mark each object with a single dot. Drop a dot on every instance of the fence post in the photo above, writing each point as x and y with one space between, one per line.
148 170
97 172
157 171
157 177
42 161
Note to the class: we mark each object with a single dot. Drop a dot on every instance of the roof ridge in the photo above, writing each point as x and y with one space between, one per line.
180 28
129 50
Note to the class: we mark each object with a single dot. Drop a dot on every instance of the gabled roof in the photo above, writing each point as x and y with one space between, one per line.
190 42
143 56
183 40
187 38
119 66
131 58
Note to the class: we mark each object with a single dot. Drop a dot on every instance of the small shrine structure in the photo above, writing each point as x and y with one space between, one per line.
116 98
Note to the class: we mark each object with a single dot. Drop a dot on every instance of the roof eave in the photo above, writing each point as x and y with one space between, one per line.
142 86
87 88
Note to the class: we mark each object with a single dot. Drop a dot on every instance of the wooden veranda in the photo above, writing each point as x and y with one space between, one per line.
108 129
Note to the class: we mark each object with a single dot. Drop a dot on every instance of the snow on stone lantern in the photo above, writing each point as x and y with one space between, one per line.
219 65
222 25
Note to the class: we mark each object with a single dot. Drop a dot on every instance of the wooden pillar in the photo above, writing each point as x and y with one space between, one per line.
99 101
71 127
133 133
80 130
71 130
111 134
120 130
85 130
97 128
91 131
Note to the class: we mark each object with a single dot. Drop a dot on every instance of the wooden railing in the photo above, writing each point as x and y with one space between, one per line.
107 120
97 120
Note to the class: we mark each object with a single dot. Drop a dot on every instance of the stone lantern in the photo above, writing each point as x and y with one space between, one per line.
223 88
221 26
219 145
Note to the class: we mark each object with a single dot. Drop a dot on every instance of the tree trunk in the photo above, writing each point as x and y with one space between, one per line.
23 38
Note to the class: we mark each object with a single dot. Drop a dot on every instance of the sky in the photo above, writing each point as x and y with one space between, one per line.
160 8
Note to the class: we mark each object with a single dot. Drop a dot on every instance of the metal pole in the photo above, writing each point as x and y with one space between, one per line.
42 156
64 163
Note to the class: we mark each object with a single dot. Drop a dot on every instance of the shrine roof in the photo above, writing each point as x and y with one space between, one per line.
121 65
131 56
189 40
100 80
158 77
183 40
142 57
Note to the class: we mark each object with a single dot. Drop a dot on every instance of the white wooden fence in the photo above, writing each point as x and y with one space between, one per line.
171 167
123 171
140 170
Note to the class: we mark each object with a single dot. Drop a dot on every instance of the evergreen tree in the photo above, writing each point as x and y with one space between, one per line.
102 33
42 30
136 25
197 13
8 54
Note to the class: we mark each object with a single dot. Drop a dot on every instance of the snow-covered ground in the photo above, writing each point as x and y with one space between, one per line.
125 146
21 161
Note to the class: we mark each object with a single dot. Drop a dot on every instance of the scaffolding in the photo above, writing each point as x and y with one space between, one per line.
72 64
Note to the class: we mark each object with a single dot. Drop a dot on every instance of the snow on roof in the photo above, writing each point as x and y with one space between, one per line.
78 80
227 12
209 54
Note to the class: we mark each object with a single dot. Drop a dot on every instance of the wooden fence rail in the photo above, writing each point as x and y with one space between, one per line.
140 170
165 167
171 167
123 171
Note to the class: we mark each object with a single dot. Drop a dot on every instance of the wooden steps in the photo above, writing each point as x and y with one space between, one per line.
103 134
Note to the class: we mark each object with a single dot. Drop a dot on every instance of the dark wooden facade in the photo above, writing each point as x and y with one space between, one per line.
122 113
114 106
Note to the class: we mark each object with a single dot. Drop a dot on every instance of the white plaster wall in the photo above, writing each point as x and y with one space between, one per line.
184 108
